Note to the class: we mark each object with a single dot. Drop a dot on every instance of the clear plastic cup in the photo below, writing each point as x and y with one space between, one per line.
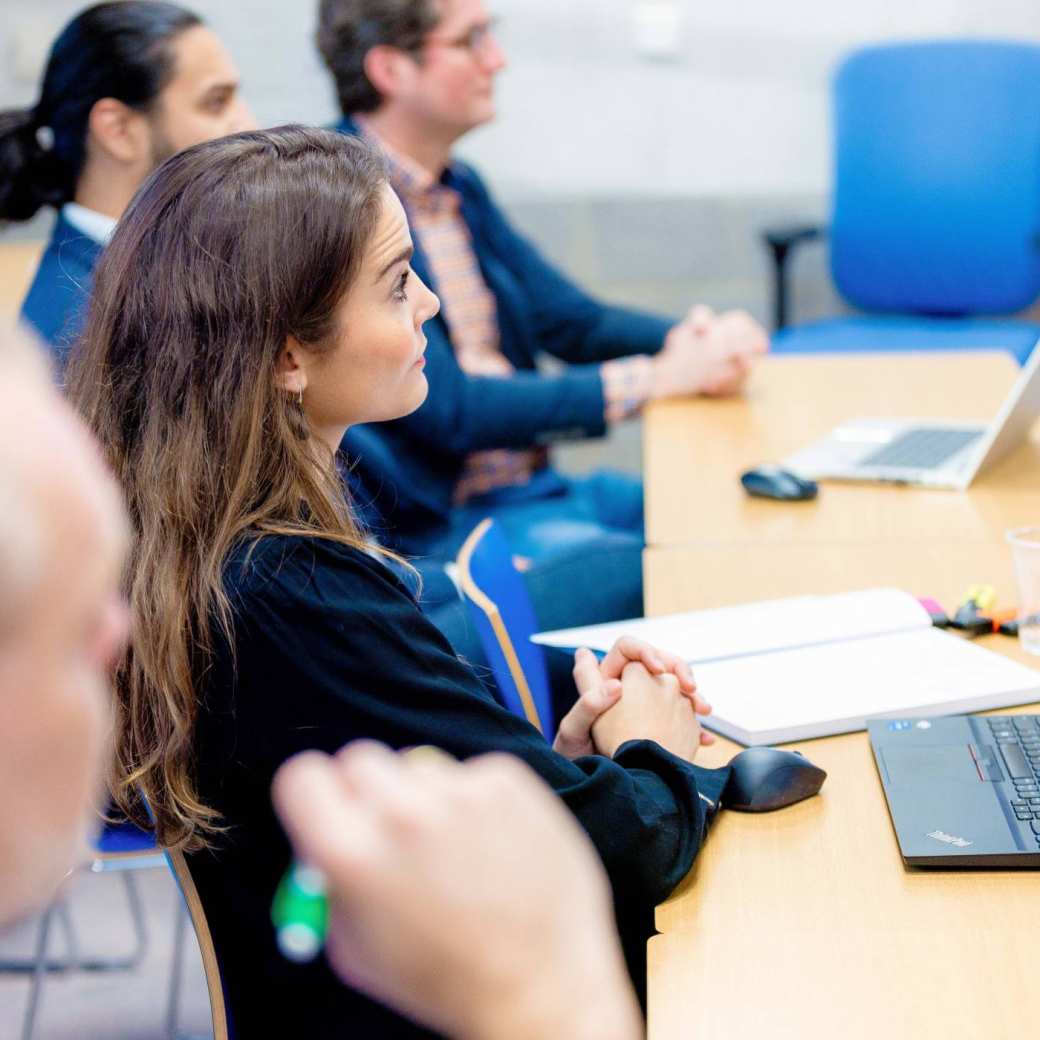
1025 552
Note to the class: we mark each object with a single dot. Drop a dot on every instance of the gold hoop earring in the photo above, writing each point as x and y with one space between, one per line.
299 397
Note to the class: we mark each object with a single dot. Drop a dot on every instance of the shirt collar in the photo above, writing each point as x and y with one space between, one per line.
89 222
408 178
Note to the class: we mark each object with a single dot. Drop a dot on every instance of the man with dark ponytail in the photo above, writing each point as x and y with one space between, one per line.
127 84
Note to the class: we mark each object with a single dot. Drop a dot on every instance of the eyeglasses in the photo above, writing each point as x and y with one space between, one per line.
475 40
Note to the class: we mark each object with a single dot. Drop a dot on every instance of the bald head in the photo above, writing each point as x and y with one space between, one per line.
21 552
62 534
52 481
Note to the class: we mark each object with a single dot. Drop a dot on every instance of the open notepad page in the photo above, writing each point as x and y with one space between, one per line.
834 688
756 628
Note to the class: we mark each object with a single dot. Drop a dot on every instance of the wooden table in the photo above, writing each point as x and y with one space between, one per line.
18 261
805 923
694 452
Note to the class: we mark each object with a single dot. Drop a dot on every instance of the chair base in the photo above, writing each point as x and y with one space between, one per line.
41 964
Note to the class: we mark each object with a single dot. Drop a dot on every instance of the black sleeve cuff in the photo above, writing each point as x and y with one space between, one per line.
709 783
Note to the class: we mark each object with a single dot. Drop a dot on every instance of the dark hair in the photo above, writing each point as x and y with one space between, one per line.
226 251
119 50
349 29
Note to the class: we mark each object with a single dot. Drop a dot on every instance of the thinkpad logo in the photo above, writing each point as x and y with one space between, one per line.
949 839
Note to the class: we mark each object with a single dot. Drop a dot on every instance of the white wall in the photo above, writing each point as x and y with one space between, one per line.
740 111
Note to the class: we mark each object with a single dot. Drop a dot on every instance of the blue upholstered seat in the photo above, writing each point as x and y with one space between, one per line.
890 333
125 838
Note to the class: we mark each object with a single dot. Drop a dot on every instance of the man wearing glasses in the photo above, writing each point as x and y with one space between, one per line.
414 76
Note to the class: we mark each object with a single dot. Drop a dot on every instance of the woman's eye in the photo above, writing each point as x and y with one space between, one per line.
399 289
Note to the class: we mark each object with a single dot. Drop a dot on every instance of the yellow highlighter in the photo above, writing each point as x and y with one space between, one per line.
973 615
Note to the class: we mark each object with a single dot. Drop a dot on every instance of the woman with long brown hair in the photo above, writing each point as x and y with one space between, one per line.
255 301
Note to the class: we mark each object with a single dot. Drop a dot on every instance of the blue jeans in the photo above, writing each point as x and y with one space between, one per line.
550 514
584 538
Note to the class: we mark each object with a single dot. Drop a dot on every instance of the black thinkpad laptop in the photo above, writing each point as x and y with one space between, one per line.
963 790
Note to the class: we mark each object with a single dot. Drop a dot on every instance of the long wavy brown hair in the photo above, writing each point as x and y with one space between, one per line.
227 250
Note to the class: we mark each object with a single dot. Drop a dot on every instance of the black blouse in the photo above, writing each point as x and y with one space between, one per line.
330 646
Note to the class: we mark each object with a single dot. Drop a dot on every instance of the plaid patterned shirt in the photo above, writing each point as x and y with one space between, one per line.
434 212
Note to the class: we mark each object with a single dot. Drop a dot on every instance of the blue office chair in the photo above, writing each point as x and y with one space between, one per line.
935 225
121 848
501 610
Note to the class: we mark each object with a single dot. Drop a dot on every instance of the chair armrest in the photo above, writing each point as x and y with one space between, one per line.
780 241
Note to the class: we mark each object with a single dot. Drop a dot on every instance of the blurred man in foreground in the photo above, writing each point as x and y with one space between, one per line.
62 623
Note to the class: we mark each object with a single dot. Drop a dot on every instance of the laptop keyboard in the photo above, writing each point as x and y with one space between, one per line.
922 448
1018 737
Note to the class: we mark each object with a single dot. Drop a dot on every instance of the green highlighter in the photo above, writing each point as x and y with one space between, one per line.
300 913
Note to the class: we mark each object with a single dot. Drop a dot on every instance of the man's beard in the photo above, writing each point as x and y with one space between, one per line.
162 147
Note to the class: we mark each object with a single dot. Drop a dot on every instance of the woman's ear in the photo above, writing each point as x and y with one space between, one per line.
290 372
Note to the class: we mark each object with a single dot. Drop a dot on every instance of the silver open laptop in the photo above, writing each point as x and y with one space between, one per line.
930 452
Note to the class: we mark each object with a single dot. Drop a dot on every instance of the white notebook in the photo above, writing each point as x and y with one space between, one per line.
812 666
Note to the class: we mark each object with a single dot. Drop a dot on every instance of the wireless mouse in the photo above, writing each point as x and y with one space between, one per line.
765 778
781 484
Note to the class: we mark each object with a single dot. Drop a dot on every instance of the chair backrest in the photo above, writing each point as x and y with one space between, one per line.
937 177
218 1008
501 610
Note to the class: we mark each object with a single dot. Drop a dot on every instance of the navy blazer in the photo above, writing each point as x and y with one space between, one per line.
56 302
409 467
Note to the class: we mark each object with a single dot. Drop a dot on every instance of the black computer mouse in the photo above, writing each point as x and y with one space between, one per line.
774 482
765 778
